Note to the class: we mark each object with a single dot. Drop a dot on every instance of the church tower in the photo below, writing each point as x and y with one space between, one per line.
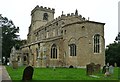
40 16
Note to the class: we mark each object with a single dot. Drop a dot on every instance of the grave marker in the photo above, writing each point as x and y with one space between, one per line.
93 69
90 69
28 73
111 69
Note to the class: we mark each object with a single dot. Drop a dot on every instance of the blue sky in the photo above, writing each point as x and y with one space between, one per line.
105 11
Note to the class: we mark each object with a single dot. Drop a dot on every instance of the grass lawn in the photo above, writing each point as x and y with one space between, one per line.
59 74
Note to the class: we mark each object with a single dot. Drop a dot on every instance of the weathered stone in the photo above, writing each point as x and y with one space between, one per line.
15 64
97 68
90 69
75 30
93 69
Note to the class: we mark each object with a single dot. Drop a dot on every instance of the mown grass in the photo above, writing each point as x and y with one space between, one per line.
59 74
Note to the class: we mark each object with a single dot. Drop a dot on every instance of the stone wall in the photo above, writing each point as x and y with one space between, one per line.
62 31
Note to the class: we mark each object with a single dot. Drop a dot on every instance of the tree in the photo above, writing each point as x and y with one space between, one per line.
19 43
118 37
112 52
9 35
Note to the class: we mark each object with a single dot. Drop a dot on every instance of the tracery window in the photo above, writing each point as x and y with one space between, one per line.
72 50
97 43
54 51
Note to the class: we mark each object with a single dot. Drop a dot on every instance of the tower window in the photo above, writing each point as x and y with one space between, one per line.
45 16
54 51
97 43
72 50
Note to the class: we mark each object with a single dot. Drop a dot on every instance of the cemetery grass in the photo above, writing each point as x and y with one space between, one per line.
59 74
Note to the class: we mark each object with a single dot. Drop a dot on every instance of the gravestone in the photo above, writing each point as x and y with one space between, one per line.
97 68
111 69
28 73
93 69
15 64
90 69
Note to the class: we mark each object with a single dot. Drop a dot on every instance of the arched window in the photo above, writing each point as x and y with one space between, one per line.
25 58
97 43
72 50
18 58
54 51
37 53
45 16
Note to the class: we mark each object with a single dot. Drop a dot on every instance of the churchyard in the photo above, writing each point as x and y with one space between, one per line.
61 74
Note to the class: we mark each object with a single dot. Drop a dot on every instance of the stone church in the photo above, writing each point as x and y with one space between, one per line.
67 40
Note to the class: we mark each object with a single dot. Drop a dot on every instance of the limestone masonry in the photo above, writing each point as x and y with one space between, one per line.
67 40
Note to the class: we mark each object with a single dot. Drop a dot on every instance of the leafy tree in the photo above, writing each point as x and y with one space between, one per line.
19 43
118 37
9 35
113 51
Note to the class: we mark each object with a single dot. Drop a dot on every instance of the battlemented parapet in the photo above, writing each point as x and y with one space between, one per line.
40 16
43 9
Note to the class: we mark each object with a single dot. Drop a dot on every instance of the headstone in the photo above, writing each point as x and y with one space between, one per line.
93 69
90 69
97 68
111 69
28 73
15 64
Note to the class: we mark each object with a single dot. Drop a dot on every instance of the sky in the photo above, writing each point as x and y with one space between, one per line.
105 11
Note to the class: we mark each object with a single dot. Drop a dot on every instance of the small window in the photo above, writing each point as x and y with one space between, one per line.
57 24
65 31
83 27
72 50
45 16
54 52
18 58
61 31
25 58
